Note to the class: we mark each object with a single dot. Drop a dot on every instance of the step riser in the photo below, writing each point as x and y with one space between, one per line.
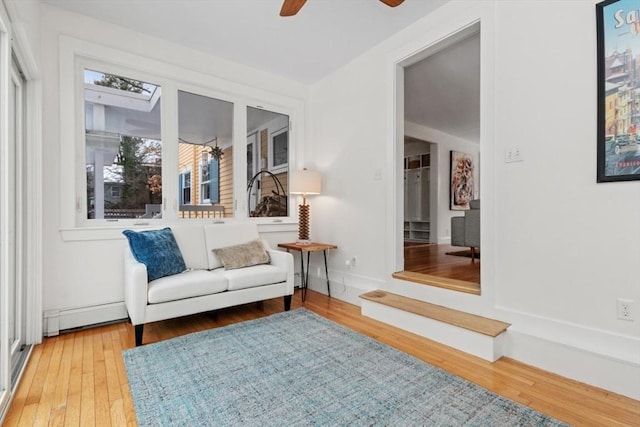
483 346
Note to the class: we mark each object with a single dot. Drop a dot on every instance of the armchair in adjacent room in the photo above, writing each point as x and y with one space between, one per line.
465 230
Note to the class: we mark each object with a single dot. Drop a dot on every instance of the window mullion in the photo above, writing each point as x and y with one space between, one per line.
170 172
240 160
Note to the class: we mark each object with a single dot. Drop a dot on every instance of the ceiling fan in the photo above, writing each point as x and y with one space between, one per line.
291 7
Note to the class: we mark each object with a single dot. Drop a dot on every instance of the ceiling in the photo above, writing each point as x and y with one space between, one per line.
443 89
321 38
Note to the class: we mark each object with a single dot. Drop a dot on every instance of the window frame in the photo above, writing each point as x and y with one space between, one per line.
182 187
208 184
77 55
281 167
116 194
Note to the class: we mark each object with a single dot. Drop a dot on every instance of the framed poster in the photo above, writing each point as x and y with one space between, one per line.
618 40
462 184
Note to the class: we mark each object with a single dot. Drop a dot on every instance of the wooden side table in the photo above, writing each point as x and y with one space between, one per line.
308 248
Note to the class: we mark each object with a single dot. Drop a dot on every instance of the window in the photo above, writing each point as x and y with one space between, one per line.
123 148
136 132
210 181
205 128
279 150
185 188
268 155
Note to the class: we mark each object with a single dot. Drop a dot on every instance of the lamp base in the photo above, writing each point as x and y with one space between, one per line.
303 222
303 242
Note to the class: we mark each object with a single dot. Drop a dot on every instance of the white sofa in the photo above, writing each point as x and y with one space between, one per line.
205 285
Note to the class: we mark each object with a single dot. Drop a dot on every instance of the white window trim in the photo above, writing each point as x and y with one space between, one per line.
76 55
14 39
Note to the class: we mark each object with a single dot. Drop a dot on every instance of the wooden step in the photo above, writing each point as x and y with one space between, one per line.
440 282
482 325
477 335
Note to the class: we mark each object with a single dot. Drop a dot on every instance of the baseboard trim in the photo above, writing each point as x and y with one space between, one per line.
56 321
615 375
618 347
344 286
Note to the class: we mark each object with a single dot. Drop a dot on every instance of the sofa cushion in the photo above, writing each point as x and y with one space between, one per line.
258 275
221 235
189 284
190 239
158 250
242 255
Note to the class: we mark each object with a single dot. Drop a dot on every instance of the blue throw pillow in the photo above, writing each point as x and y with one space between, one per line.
158 250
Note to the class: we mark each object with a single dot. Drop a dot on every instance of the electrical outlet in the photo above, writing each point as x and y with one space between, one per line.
512 154
625 309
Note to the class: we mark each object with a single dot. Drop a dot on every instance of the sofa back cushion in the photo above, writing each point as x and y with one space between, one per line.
242 255
190 239
223 235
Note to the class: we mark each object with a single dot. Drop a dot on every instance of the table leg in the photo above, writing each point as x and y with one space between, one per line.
306 276
303 286
326 272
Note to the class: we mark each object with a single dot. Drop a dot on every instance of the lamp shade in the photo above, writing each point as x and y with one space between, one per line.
305 182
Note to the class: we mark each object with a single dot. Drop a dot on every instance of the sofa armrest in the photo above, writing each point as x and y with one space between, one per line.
283 260
457 231
135 287
472 228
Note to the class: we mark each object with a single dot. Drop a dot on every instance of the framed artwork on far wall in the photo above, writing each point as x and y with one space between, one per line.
462 183
618 43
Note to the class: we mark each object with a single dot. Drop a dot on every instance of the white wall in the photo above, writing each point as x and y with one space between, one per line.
83 269
25 23
558 249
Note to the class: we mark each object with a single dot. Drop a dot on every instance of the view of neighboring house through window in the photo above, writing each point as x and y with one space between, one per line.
267 162
123 147
205 128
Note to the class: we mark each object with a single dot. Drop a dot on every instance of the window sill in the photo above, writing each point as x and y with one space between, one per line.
114 232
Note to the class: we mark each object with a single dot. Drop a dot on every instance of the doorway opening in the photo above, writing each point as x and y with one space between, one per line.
441 164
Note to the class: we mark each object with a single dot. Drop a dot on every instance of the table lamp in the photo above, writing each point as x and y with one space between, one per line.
304 182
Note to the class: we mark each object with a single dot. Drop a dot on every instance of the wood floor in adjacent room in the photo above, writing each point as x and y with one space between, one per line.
432 259
431 264
78 378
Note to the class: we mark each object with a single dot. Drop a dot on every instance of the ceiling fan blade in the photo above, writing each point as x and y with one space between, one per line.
392 3
291 7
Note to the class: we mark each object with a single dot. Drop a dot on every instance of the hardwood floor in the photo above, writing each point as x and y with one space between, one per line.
78 378
429 264
433 260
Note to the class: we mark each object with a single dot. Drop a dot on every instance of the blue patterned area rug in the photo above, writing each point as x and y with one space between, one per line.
297 368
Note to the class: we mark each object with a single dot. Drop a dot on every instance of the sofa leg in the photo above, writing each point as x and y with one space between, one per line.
287 302
138 330
473 254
